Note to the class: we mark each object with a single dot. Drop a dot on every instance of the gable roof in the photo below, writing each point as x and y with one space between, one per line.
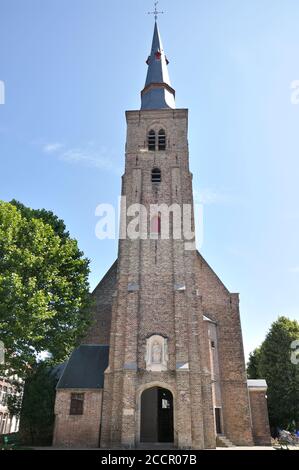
201 258
112 268
85 368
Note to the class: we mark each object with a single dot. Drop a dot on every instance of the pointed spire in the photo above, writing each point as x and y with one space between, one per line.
157 93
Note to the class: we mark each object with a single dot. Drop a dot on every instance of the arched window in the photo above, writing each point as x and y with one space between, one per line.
156 175
151 140
162 139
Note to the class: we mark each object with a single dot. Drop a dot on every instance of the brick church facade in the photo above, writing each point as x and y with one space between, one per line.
163 361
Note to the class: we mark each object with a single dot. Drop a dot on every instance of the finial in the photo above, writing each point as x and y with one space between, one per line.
156 12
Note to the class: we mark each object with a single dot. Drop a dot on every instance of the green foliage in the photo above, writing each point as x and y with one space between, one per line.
44 292
253 363
273 363
8 441
47 217
37 415
14 401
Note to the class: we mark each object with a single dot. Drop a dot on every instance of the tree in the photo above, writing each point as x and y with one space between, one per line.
272 361
37 413
44 292
253 364
48 217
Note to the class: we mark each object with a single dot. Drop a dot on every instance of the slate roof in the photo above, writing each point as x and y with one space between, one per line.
157 70
85 368
157 93
57 371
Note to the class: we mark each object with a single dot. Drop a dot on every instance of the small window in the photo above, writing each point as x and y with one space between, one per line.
76 407
213 344
151 138
156 175
162 139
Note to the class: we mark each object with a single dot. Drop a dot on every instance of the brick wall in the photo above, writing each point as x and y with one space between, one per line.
223 307
82 430
99 332
259 416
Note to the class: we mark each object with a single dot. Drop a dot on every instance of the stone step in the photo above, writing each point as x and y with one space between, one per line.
223 441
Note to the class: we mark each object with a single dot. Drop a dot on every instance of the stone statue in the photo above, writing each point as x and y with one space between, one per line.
156 356
156 353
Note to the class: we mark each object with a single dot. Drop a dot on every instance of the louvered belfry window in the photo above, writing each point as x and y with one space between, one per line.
151 138
162 139
156 175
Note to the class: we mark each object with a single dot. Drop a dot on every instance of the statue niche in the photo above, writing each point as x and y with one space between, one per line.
156 353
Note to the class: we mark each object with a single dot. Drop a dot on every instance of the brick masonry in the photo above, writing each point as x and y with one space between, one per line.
125 318
260 419
77 431
99 332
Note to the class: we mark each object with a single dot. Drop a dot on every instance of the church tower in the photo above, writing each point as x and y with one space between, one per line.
157 342
163 361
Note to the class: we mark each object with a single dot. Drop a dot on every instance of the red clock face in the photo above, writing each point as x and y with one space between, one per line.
158 55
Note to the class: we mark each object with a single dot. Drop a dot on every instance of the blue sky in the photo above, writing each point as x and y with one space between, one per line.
72 67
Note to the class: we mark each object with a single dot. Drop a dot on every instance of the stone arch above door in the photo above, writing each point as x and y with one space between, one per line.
156 383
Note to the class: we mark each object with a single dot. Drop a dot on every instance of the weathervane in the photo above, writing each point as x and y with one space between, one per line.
156 12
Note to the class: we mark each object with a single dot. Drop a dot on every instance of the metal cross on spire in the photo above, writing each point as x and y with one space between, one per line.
156 12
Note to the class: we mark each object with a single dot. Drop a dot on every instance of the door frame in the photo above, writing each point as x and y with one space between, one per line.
138 407
220 419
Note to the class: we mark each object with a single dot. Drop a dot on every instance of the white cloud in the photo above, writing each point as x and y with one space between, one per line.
52 147
209 196
88 156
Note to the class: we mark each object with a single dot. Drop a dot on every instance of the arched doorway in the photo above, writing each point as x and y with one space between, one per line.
156 423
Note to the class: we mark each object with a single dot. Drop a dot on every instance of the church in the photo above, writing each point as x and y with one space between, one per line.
163 362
